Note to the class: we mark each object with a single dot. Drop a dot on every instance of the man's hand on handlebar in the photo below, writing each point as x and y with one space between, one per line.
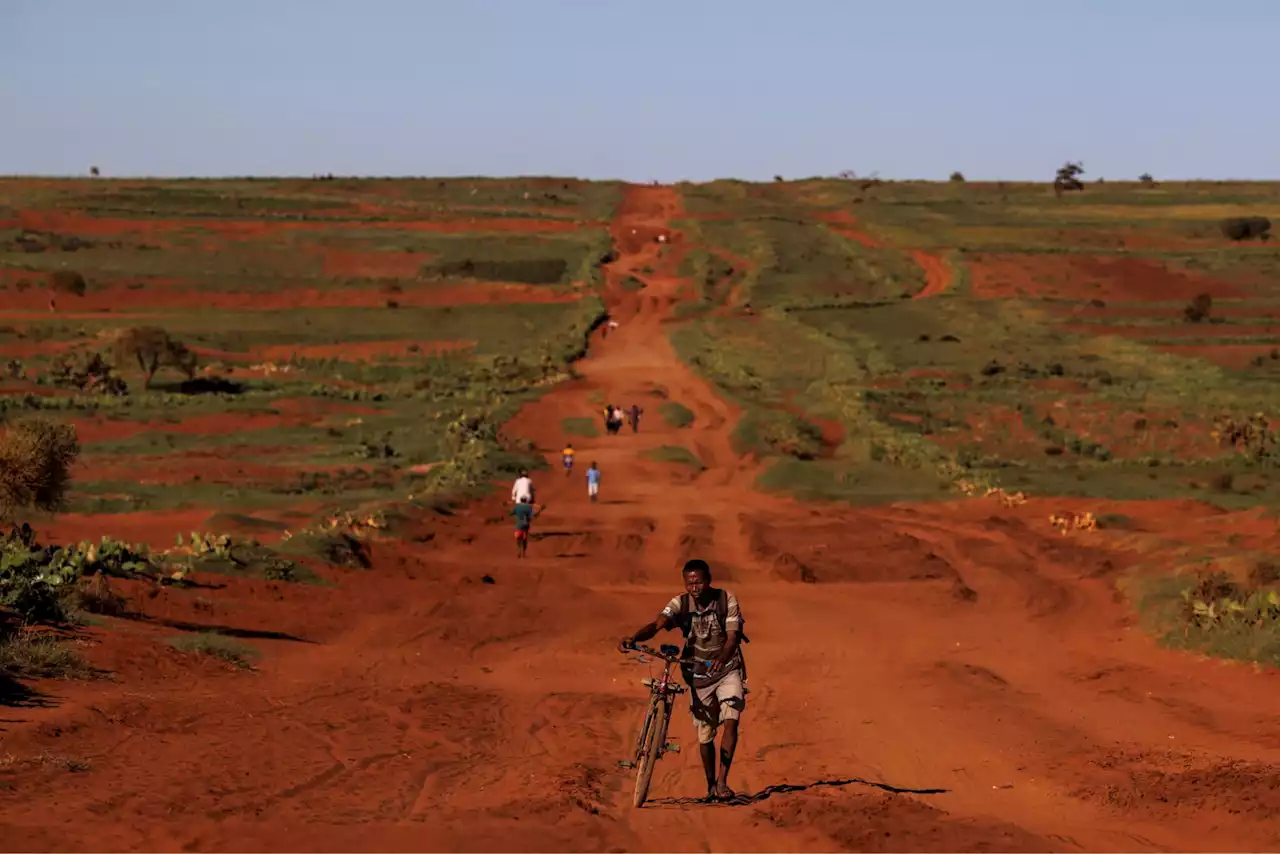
627 644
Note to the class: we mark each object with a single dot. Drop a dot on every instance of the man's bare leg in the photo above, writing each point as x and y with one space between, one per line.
728 744
708 752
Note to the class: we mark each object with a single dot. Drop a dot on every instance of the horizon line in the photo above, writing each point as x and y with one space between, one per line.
64 176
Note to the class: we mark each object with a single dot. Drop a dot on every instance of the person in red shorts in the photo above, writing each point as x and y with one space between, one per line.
524 511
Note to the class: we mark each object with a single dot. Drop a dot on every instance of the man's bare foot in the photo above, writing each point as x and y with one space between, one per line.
723 792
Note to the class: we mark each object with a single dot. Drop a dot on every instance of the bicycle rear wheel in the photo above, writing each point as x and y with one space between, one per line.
650 743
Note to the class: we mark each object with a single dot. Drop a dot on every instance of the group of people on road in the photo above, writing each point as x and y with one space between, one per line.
613 416
708 617
710 620
524 508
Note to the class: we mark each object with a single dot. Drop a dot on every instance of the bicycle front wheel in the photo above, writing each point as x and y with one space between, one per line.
650 743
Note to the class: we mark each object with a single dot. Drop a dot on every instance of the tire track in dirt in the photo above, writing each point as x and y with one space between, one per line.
477 716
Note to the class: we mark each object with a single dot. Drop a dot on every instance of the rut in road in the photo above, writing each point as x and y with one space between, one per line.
960 650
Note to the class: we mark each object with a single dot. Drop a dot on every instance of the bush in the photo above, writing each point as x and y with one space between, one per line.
957 178
87 372
67 282
35 462
38 583
793 436
1146 180
1251 436
153 349
1246 227
1198 309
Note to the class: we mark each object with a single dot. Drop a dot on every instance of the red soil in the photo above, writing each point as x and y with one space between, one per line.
229 465
1227 355
25 348
963 653
165 296
846 225
1083 277
993 429
1130 434
85 225
375 265
288 413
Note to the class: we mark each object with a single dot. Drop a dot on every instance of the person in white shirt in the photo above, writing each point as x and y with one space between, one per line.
523 488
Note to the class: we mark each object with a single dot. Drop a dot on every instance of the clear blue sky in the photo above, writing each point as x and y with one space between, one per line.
665 89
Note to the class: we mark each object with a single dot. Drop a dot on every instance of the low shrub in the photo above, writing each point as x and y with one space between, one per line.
1246 228
67 282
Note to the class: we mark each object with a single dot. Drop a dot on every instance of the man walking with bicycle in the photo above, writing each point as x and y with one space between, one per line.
712 626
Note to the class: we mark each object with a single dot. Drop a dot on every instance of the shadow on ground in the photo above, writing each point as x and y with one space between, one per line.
767 792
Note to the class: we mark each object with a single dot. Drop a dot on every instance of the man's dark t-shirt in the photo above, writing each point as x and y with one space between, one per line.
524 516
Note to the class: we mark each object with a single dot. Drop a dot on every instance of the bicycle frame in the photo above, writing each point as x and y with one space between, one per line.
652 742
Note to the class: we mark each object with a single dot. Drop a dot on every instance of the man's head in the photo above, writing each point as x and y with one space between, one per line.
524 472
593 463
697 580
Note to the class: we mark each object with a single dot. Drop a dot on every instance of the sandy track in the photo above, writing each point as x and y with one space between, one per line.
963 651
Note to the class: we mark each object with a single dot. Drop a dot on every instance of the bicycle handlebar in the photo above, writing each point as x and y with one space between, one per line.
648 650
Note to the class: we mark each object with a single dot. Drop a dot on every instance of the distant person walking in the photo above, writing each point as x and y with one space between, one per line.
634 417
593 481
567 455
524 511
522 489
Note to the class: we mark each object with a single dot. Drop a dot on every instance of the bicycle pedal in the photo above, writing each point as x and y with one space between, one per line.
672 748
626 763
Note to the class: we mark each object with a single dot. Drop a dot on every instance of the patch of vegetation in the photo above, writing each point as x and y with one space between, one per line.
1215 613
38 655
580 426
35 464
676 414
67 282
217 646
38 583
677 454
1246 228
222 555
510 258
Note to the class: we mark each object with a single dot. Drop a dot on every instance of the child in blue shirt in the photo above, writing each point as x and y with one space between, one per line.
593 481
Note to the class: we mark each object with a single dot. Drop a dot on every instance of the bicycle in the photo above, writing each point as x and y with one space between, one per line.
652 743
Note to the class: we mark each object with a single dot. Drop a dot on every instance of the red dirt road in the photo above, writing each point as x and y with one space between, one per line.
937 275
963 650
